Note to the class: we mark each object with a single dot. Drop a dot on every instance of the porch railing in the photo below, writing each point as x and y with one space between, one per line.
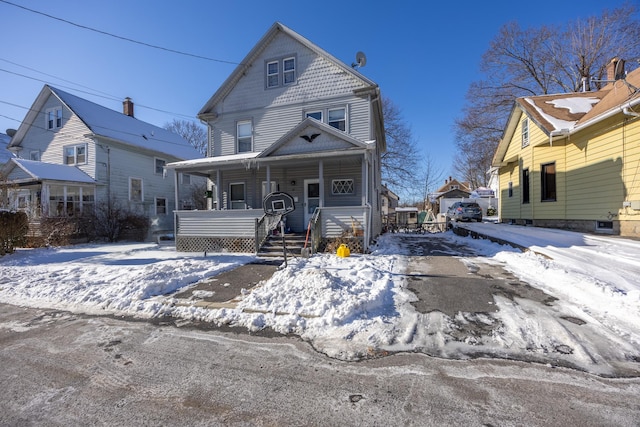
264 226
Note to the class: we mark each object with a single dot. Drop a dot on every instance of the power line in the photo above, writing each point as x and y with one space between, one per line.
119 37
74 136
106 96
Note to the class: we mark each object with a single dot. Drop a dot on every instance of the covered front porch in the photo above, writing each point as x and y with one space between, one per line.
330 191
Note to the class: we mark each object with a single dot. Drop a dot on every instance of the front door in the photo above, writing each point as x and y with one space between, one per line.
311 198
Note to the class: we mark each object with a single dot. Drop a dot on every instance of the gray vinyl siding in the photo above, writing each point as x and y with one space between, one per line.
316 78
270 124
51 143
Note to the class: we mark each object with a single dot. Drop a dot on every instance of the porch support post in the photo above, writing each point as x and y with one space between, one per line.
218 191
175 190
321 182
365 181
268 178
175 211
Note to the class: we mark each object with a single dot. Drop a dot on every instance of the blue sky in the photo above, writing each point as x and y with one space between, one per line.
423 55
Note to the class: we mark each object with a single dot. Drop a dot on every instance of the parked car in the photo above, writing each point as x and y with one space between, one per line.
464 211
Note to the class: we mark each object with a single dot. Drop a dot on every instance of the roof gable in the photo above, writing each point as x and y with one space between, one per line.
310 136
253 60
107 123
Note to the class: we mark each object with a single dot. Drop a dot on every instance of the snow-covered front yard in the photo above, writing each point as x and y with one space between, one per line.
358 306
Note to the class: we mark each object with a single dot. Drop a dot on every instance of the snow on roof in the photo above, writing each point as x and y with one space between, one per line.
562 112
116 125
53 172
217 160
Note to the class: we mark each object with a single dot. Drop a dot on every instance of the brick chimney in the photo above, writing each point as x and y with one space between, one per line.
615 69
127 107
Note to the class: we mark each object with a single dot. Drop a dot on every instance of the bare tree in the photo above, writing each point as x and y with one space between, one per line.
399 162
537 61
430 178
194 133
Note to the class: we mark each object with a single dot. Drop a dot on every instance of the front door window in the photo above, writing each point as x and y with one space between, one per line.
311 198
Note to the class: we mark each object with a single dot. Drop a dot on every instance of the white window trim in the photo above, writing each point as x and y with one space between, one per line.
166 205
525 132
280 73
268 74
131 178
55 124
307 114
155 166
238 123
244 195
285 72
75 154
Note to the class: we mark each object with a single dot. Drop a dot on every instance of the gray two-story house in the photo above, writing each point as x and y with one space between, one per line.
73 155
293 119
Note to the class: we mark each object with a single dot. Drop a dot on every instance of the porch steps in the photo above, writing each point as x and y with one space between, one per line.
273 247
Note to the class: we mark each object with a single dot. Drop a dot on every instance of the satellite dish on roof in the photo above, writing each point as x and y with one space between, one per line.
361 60
11 132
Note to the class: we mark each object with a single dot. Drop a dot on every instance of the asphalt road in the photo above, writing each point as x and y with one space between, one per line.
58 369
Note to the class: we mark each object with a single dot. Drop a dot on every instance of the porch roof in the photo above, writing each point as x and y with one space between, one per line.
248 160
42 171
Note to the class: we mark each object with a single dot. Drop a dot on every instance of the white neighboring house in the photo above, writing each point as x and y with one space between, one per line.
73 155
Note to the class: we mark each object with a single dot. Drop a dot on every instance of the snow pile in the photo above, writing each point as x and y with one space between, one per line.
360 306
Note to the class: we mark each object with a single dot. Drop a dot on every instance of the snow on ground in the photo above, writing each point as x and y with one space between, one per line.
359 306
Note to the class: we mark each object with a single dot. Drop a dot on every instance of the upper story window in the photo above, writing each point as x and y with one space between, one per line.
53 118
338 118
280 72
34 155
244 136
159 166
289 71
75 154
273 74
315 115
525 133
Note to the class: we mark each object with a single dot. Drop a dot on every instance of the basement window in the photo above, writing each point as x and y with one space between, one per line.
604 226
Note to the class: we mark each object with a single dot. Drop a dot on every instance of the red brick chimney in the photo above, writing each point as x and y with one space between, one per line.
615 69
127 106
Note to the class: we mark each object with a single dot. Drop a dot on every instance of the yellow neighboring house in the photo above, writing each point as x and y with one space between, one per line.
572 161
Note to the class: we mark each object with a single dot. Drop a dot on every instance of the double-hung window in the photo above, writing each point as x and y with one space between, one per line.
338 118
280 72
135 190
161 206
273 74
289 71
75 154
525 133
315 115
53 118
244 136
159 166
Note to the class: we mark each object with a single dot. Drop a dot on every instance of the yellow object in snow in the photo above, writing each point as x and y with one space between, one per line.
343 251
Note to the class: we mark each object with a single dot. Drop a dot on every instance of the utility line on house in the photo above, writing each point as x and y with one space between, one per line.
85 27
